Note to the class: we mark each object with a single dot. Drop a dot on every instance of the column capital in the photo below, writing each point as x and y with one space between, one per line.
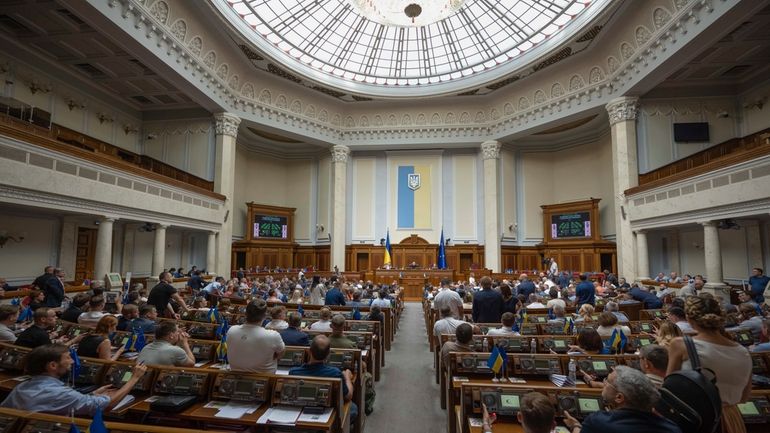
622 109
641 231
340 153
161 226
490 149
708 223
213 233
226 124
108 219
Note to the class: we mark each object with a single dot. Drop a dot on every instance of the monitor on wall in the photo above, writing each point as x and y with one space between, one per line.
691 132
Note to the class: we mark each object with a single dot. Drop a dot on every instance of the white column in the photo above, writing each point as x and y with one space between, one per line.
159 250
625 172
490 152
224 183
211 252
68 246
185 256
103 254
643 268
340 155
712 252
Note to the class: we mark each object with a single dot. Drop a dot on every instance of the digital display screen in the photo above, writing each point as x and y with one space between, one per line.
514 343
646 327
268 226
748 408
124 341
588 404
243 386
509 401
184 381
644 341
542 363
76 332
336 357
743 337
126 376
571 225
559 343
306 392
600 366
481 363
196 350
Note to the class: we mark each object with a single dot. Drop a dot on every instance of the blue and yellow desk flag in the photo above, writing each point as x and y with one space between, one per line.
495 361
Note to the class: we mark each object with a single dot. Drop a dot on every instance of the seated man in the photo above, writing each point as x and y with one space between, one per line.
277 318
324 323
678 317
338 340
169 348
534 301
536 415
147 320
614 308
559 315
8 316
37 334
45 392
292 336
750 320
213 289
75 309
447 324
250 347
127 316
462 343
654 361
95 311
319 351
632 396
508 320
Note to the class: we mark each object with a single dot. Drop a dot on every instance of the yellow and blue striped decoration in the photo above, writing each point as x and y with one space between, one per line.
414 206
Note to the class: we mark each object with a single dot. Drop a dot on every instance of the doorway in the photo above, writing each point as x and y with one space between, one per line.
362 261
84 256
466 261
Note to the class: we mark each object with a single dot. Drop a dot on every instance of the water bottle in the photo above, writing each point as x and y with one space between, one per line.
572 367
484 345
533 346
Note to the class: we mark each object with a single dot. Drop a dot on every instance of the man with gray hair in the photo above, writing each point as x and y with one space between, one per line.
614 308
632 397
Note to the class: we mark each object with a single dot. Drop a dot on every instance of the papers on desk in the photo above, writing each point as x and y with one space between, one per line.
316 417
282 371
152 399
201 363
364 353
127 400
459 378
22 378
516 380
231 410
475 422
284 415
561 380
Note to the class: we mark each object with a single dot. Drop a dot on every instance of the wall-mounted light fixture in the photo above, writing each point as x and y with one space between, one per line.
73 104
320 228
5 237
103 117
758 103
130 129
36 86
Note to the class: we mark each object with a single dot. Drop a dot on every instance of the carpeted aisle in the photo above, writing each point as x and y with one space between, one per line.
407 395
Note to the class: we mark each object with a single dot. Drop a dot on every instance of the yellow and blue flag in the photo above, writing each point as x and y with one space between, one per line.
97 425
388 256
222 349
414 196
617 341
213 315
569 325
136 341
495 361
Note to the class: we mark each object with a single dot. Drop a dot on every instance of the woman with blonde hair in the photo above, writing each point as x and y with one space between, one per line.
98 344
585 313
296 297
730 362
667 331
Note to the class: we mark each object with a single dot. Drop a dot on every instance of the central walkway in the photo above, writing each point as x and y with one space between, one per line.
407 394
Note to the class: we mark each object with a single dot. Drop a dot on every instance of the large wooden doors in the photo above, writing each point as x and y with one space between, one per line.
84 258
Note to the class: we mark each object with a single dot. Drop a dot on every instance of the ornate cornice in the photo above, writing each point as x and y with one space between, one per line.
658 35
490 149
226 124
622 109
340 153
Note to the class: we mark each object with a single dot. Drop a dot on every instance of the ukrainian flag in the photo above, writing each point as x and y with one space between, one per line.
495 361
414 196
388 257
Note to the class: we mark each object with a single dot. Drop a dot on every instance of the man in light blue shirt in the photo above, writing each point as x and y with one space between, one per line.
44 392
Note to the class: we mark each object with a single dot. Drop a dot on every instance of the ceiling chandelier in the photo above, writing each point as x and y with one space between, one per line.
411 13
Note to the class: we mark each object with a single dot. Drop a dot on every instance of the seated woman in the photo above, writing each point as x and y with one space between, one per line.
588 342
667 331
608 323
97 344
763 347
296 297
585 313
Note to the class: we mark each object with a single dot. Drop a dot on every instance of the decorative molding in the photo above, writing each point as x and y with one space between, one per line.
490 149
226 124
340 153
643 48
622 109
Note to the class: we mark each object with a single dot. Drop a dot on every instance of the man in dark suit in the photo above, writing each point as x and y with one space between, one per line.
487 304
585 292
54 289
525 286
334 296
41 280
292 336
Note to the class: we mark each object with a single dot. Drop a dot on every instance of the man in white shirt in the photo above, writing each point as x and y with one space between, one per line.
553 270
171 347
324 324
448 298
555 300
447 325
508 320
250 347
95 311
534 301
8 316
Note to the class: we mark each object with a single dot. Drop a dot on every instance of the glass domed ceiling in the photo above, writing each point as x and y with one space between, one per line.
395 48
